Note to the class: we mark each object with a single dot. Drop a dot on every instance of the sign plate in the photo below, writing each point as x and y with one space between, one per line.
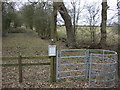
52 50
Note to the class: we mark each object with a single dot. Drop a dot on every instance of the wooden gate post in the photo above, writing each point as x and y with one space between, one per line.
20 68
53 69
52 52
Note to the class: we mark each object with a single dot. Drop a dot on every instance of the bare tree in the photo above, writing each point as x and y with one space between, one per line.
102 42
118 6
54 34
92 19
67 19
75 13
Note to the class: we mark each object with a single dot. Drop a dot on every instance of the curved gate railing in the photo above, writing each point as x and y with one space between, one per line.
97 65
103 69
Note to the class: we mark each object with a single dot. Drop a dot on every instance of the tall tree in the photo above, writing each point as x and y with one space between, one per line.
118 6
28 12
42 18
7 16
92 18
102 42
54 34
68 24
75 13
0 20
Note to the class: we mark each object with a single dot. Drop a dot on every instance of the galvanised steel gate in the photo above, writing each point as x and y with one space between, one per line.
97 65
72 63
103 69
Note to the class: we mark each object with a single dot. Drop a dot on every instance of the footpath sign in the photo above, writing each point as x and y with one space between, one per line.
52 50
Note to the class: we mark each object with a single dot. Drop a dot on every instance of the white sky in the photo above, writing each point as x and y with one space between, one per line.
110 12
111 3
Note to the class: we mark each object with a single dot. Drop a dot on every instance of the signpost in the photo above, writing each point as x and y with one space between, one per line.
52 50
52 54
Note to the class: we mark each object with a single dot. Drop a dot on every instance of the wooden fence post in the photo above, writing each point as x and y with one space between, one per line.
53 69
53 63
20 68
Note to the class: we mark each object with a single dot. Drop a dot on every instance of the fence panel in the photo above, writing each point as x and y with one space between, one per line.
103 70
72 63
97 65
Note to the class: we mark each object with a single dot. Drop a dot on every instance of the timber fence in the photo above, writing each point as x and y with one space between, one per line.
20 64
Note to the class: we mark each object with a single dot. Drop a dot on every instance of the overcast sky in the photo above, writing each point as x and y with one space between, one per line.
110 12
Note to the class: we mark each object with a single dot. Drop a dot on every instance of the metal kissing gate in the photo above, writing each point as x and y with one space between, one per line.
98 66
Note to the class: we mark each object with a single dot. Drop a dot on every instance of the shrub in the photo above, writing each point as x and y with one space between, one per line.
17 30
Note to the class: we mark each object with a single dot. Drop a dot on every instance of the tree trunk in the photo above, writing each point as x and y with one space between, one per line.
54 34
119 48
118 38
55 21
69 29
102 42
74 24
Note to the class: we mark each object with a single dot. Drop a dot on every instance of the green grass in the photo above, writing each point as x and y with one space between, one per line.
83 35
17 30
61 32
28 44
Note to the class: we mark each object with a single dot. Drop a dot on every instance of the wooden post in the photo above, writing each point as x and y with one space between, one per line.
52 67
20 68
53 70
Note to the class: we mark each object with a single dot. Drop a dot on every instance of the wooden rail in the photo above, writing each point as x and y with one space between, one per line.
14 58
20 64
